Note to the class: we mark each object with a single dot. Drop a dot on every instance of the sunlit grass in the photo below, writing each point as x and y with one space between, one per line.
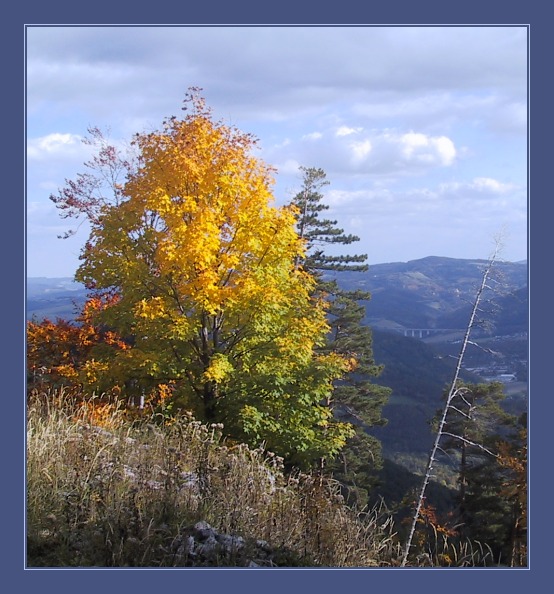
107 490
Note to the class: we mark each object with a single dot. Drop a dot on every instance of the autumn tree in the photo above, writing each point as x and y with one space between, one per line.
512 459
209 291
53 351
355 398
71 354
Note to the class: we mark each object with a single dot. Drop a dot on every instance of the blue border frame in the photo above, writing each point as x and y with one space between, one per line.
405 13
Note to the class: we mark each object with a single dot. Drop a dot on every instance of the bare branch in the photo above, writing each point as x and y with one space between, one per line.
484 349
460 412
469 442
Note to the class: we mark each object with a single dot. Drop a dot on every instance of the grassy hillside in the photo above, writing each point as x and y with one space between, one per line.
152 494
108 490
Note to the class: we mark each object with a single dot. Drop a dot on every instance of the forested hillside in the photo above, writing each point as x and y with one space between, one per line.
436 292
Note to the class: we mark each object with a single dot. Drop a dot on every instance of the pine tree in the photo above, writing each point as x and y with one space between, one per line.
321 232
355 398
473 427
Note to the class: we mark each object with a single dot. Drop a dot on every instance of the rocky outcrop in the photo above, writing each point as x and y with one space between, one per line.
202 546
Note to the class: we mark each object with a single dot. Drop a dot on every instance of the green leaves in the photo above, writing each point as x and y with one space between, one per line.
354 397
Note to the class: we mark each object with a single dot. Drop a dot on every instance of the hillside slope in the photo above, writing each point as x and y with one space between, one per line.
434 292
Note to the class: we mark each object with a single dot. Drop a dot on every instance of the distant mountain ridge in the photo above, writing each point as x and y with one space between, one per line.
53 298
435 292
430 299
431 292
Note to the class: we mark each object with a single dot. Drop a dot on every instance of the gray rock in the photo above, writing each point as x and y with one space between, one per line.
230 544
204 531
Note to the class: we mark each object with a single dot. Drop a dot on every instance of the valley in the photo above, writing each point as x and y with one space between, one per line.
417 312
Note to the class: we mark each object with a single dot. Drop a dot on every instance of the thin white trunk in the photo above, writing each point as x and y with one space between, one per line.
451 393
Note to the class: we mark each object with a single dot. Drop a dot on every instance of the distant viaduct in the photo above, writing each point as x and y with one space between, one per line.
423 332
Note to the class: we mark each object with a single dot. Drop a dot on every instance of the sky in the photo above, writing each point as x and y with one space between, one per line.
421 131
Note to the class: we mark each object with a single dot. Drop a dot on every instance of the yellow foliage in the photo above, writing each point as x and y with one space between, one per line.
92 370
220 368
150 309
68 372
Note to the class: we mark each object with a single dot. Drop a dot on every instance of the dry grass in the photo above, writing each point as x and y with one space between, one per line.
108 491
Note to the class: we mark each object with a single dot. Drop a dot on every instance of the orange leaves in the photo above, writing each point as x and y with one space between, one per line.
54 349
63 351
95 304
428 516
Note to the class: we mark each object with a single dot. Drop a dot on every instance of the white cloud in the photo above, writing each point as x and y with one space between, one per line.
313 136
439 110
426 149
289 71
405 125
492 185
338 199
368 152
445 148
508 117
480 185
35 207
289 167
360 150
346 131
486 199
54 144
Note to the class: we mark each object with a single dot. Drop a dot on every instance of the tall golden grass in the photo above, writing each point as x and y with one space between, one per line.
108 490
